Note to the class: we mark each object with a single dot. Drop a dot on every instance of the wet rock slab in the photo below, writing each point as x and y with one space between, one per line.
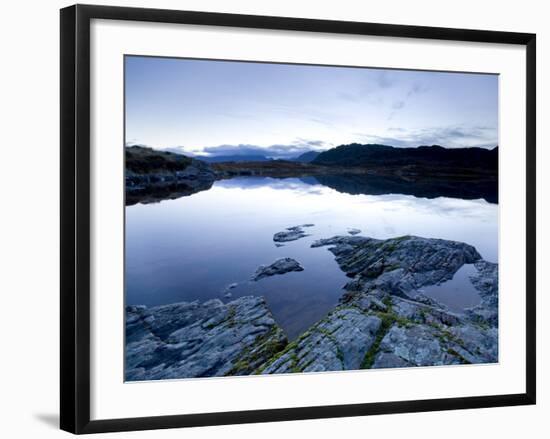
185 340
401 264
338 342
280 266
383 319
415 330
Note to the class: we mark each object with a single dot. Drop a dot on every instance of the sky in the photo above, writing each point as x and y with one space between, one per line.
204 107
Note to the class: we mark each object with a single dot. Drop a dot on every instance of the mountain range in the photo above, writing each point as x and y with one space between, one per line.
374 155
356 155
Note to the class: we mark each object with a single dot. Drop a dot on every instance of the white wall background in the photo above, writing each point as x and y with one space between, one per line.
29 249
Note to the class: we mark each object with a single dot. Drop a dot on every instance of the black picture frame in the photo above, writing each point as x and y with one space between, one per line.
75 217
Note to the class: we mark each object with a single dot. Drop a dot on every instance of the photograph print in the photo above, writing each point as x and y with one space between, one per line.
292 218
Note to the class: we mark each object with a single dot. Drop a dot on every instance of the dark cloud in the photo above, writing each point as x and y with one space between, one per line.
282 151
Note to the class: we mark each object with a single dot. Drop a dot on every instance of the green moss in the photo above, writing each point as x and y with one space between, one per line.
389 247
275 357
231 322
460 357
294 368
368 360
393 243
306 365
402 321
330 336
401 238
265 346
389 318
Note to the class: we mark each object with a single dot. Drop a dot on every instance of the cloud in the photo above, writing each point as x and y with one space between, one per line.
450 137
397 105
417 88
372 89
279 151
384 79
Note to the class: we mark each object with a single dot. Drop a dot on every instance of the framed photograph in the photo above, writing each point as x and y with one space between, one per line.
273 218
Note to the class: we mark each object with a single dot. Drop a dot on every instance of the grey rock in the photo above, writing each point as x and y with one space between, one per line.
291 233
280 266
153 187
338 342
383 320
191 339
417 345
486 282
416 330
400 264
353 231
227 290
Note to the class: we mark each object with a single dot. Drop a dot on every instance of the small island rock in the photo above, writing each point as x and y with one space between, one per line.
280 266
291 233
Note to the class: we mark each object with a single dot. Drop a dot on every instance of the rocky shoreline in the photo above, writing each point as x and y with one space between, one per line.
199 340
383 319
163 185
153 175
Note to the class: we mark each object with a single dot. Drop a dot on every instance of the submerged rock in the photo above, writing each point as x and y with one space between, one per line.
280 266
186 340
291 233
227 290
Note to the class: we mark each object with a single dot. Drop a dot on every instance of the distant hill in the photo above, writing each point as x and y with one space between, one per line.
233 158
306 157
374 155
144 160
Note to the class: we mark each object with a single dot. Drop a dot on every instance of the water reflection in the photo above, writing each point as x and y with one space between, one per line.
191 248
354 184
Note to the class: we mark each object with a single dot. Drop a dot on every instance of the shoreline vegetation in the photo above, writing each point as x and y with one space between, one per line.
382 320
430 171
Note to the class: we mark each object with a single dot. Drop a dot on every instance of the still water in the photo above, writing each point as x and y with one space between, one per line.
193 247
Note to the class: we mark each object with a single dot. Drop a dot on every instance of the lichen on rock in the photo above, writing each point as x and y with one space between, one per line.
192 339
